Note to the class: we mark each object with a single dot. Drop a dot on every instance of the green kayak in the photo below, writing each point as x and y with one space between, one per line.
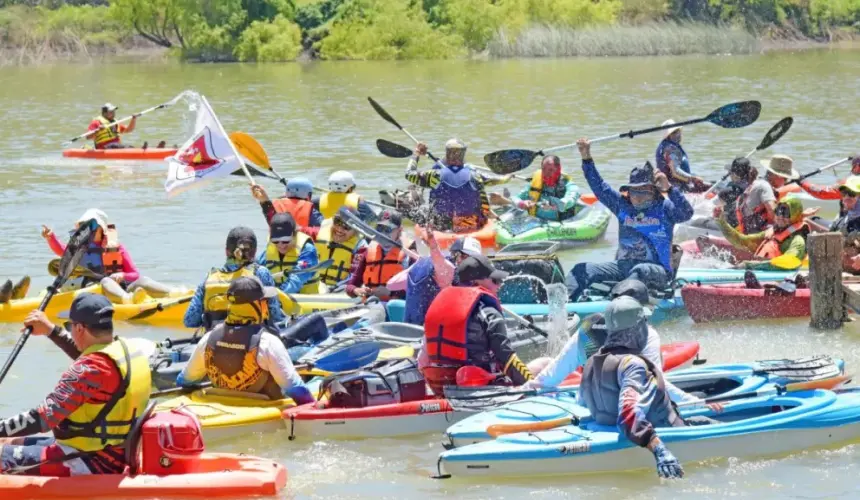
516 226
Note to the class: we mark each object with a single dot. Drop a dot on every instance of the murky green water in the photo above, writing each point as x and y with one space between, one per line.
315 119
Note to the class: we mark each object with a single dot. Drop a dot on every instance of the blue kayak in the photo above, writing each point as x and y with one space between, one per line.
708 381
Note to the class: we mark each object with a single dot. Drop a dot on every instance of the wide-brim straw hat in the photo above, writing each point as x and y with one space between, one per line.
670 131
782 166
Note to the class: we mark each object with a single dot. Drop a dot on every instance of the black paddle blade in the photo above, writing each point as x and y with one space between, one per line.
392 150
508 161
736 115
775 133
75 249
384 114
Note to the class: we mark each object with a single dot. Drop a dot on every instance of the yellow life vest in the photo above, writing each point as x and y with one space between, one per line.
93 427
331 202
105 135
215 304
277 263
536 189
340 253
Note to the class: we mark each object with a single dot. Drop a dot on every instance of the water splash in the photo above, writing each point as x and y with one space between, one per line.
557 318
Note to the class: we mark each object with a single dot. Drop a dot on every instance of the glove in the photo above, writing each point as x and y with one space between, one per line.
668 466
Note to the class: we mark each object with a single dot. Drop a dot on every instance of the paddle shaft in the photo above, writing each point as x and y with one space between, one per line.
117 122
158 307
320 265
819 170
26 335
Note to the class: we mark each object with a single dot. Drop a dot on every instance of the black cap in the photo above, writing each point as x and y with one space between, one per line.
740 166
282 227
479 267
90 309
248 289
243 237
631 288
390 218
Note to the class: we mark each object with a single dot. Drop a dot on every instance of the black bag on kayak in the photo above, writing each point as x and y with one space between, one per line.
385 382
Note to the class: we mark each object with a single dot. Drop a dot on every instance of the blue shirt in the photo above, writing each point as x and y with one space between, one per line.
308 257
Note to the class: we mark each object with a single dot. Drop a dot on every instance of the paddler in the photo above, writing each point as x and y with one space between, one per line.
381 260
107 257
339 242
850 209
465 326
287 253
105 135
757 204
341 186
830 192
623 389
551 195
298 202
787 237
92 409
458 198
646 221
244 353
209 305
672 160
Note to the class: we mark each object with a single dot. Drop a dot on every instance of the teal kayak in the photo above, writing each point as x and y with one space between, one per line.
709 380
588 225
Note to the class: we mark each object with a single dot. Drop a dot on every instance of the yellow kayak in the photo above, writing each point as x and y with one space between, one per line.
15 311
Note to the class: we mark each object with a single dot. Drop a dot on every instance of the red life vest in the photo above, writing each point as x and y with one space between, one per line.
769 248
380 266
300 209
446 322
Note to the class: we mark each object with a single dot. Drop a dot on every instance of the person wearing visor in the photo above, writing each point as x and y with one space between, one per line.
848 196
339 242
382 260
766 250
646 220
91 411
105 134
297 202
208 306
465 326
244 353
552 195
831 192
672 161
624 389
287 253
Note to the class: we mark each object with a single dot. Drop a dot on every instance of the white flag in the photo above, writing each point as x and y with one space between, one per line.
208 155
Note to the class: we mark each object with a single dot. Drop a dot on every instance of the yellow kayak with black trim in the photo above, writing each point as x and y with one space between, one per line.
15 311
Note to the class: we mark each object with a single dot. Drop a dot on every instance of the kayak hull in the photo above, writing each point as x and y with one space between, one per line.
809 419
708 303
589 225
215 475
486 235
149 154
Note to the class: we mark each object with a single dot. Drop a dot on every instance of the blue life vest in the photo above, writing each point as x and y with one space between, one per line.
666 147
457 193
645 234
421 289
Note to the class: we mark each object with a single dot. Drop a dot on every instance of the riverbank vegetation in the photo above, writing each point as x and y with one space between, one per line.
284 30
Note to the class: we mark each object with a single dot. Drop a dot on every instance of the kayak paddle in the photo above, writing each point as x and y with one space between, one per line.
73 254
149 310
77 272
776 132
127 118
320 265
390 119
819 170
735 115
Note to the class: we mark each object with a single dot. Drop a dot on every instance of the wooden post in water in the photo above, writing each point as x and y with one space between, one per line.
825 279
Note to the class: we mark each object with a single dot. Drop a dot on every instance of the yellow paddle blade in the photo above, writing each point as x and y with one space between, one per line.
497 430
251 149
826 383
397 352
288 303
787 262
313 372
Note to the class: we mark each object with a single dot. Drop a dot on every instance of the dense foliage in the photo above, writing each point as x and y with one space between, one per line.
280 30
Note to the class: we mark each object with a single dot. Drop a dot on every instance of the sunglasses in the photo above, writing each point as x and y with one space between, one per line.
341 224
783 211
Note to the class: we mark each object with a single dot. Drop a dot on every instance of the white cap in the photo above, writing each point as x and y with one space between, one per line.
467 245
670 131
99 215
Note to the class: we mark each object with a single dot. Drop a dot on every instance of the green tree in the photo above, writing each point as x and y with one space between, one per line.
270 41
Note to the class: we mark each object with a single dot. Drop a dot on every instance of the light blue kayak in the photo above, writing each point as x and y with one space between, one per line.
761 426
709 381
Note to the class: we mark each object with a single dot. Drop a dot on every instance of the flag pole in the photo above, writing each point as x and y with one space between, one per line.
232 146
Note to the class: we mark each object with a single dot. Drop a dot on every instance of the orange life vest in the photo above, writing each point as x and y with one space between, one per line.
758 211
446 322
380 266
300 209
769 248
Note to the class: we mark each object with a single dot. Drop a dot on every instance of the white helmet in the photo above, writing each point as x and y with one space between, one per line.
341 182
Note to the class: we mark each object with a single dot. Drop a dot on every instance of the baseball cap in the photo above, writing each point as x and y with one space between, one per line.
282 228
479 267
109 107
623 313
90 309
248 289
467 245
390 219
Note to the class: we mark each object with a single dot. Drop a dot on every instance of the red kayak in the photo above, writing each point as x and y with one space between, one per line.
418 417
733 302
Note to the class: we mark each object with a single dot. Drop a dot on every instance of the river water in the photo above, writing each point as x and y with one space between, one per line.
314 119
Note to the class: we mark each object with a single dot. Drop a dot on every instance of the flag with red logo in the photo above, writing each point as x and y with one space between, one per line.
207 155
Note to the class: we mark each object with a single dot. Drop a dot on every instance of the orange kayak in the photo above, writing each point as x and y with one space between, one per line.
215 475
486 235
155 154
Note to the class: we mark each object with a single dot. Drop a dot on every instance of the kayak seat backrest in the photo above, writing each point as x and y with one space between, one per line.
229 393
132 442
523 289
547 268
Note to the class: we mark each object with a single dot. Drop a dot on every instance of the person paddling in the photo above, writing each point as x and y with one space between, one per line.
339 242
672 160
787 237
381 261
287 253
831 192
341 185
94 405
551 195
107 136
297 202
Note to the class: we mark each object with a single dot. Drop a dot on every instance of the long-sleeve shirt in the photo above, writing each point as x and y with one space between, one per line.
194 315
794 245
129 270
562 205
821 192
432 177
313 227
294 281
356 271
272 357
487 333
